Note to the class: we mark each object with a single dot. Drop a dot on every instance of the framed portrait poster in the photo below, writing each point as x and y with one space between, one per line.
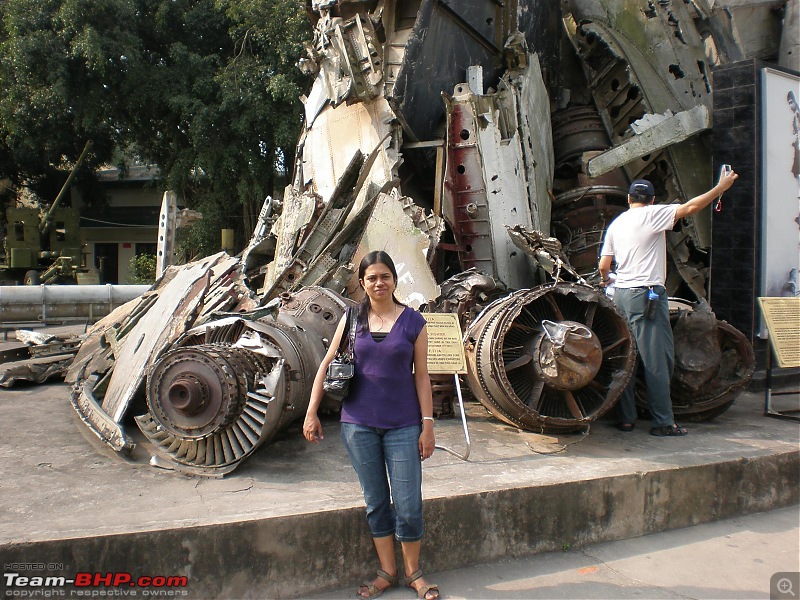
780 193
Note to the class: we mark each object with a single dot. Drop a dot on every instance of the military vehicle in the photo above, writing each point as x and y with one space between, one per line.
46 248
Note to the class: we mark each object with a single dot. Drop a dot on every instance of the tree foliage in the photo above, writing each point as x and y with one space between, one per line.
143 269
206 89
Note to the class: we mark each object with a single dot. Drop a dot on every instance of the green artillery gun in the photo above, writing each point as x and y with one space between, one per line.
46 248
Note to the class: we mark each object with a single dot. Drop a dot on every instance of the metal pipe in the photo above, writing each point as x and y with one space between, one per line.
63 302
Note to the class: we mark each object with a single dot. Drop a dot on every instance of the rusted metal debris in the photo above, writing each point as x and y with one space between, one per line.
714 361
43 357
488 158
231 384
552 358
137 333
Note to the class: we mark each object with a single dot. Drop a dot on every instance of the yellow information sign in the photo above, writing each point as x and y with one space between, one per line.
782 316
445 346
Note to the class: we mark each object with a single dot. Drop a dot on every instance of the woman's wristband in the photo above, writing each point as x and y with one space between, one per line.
427 419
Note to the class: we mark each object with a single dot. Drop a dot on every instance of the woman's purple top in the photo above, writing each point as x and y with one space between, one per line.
382 392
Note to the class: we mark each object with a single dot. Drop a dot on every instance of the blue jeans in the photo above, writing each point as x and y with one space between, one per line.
656 353
388 466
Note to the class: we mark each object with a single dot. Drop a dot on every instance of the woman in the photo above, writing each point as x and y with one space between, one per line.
388 416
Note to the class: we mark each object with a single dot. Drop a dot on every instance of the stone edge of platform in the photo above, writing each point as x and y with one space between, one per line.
292 556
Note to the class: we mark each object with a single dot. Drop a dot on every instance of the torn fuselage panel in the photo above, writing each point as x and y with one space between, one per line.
428 51
487 183
366 127
391 229
444 43
348 59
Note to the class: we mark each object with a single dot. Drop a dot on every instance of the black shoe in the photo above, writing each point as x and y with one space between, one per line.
669 430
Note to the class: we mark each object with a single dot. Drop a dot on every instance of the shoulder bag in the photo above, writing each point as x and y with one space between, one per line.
342 367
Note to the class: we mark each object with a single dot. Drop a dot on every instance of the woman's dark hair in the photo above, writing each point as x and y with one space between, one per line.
373 258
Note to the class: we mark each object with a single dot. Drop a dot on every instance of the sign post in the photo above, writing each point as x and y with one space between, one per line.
446 356
782 317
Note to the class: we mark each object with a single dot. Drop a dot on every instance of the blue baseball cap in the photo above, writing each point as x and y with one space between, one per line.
642 187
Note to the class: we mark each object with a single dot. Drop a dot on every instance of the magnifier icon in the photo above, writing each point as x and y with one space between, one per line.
784 586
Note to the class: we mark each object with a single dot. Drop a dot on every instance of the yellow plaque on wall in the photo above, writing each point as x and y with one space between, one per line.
782 316
445 346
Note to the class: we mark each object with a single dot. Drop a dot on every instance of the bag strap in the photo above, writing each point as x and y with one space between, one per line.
348 343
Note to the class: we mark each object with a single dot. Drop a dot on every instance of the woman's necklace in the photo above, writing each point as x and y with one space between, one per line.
385 324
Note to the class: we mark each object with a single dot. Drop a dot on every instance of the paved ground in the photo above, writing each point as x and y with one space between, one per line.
734 558
67 497
56 474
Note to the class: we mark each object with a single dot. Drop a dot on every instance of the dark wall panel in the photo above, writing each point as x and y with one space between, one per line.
736 229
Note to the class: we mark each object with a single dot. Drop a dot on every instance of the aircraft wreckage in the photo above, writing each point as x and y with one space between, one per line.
486 146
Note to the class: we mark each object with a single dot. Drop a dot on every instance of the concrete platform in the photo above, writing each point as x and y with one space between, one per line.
289 522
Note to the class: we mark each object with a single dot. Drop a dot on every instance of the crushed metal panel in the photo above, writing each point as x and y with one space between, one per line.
546 251
445 42
668 130
96 342
96 419
166 232
44 356
659 41
360 52
346 56
431 224
325 227
465 198
316 99
227 290
536 137
339 132
177 303
333 267
487 182
261 247
446 38
390 229
34 338
505 181
36 370
298 211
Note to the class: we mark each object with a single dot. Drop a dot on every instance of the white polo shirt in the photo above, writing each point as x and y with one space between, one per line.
637 241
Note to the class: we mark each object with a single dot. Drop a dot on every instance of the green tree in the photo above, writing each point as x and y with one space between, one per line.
61 64
143 269
205 89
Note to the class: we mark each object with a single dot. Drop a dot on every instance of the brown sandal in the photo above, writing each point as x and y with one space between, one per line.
422 592
373 591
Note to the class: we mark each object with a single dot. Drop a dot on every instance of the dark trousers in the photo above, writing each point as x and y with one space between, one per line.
656 352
